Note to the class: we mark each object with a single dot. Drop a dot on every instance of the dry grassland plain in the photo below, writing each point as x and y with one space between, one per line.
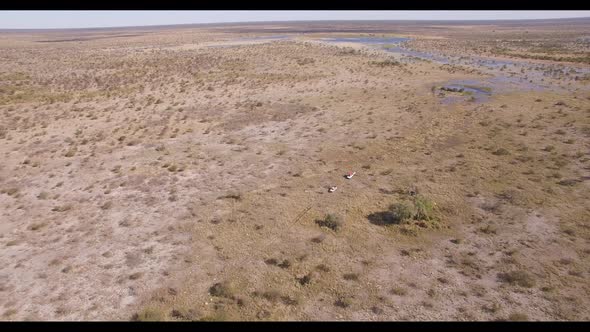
182 173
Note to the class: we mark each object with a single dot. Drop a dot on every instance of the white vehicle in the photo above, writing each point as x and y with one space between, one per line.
350 175
332 189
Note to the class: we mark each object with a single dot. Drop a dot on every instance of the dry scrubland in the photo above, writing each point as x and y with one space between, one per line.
152 176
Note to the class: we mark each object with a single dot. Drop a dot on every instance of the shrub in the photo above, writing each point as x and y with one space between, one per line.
424 208
305 61
237 197
271 295
322 268
420 209
376 310
306 279
568 182
149 315
351 276
488 229
12 243
135 275
285 264
71 152
398 291
492 308
37 226
189 315
401 212
43 195
331 221
217 316
385 63
409 230
106 205
287 300
271 261
9 191
221 289
9 312
518 317
520 278
501 152
343 302
62 208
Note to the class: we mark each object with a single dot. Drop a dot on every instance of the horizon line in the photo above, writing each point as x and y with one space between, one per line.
293 21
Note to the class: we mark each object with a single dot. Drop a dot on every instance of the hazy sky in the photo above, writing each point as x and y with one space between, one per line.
93 19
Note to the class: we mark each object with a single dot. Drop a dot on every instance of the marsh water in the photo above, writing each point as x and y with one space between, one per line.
275 37
506 75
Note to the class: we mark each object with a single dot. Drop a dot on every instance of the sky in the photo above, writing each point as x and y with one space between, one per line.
95 19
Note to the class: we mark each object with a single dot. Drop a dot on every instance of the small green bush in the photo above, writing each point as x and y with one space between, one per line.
331 221
401 212
421 208
424 208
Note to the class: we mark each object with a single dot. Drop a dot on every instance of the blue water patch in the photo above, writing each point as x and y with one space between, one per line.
267 37
368 40
417 54
390 44
508 75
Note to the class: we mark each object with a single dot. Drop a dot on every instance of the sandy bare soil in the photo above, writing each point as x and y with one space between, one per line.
183 173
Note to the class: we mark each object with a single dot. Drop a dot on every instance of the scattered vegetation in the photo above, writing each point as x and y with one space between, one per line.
149 315
418 210
331 221
386 63
520 278
222 289
181 157
518 317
